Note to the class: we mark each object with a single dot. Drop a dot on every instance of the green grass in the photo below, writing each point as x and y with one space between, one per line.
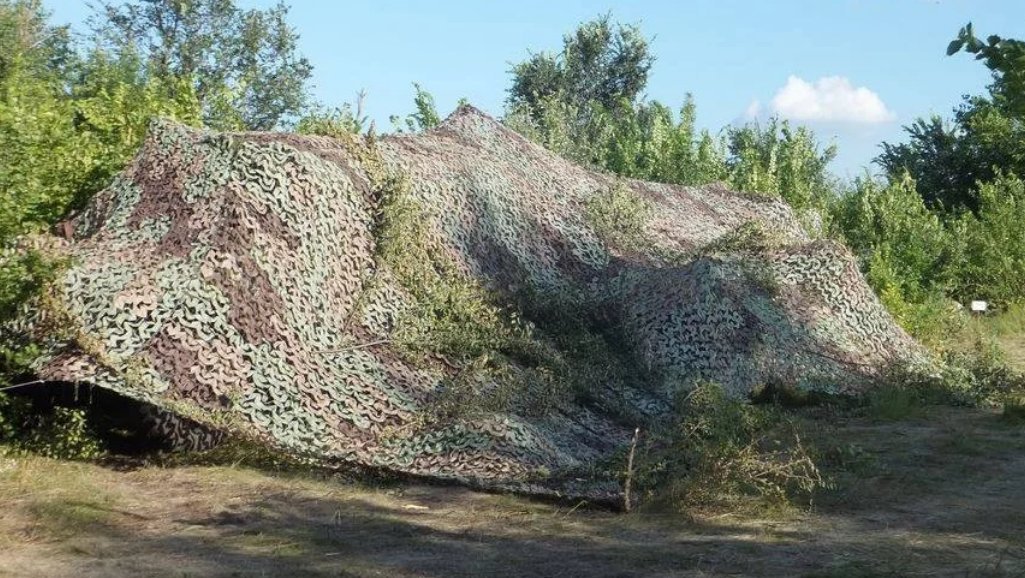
1007 329
894 403
62 499
64 517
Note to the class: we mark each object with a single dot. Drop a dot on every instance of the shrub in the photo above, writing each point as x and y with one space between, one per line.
618 216
981 375
25 276
337 122
450 313
13 414
723 452
495 361
778 160
752 237
902 246
62 433
977 376
994 243
1014 409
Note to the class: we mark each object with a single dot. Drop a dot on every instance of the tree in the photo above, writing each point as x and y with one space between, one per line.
963 239
114 100
65 130
600 63
948 160
34 122
985 136
909 255
424 118
584 104
887 226
68 123
646 141
64 138
29 43
243 64
1006 58
781 161
994 243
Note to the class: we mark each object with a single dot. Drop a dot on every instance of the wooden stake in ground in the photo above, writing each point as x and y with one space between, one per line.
630 471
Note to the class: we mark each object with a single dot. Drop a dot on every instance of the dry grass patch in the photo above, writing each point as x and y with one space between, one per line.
938 495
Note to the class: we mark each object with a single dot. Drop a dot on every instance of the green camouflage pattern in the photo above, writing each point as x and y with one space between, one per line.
231 279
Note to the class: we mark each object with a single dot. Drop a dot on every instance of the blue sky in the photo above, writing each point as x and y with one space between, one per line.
853 70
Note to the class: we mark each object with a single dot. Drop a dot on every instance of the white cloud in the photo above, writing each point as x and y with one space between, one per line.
831 99
753 110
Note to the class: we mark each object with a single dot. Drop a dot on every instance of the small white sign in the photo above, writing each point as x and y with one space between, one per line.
979 306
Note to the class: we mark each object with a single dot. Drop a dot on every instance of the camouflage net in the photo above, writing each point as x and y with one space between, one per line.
243 281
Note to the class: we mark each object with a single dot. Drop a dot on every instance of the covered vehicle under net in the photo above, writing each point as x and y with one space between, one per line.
293 290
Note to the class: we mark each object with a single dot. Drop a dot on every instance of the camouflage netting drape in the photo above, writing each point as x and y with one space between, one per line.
235 279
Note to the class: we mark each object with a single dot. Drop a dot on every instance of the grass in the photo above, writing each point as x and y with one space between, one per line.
60 499
64 517
927 495
894 403
1007 328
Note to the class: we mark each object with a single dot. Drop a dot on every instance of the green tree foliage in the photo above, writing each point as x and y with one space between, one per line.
909 255
965 240
601 63
584 104
34 122
28 42
903 246
22 275
115 100
638 140
335 122
994 242
949 159
425 117
986 136
1006 58
781 161
243 65
64 138
918 259
644 141
68 123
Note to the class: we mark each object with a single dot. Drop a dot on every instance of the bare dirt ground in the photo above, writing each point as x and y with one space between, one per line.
941 494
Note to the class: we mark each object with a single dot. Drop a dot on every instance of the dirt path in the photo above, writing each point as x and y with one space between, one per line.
942 495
